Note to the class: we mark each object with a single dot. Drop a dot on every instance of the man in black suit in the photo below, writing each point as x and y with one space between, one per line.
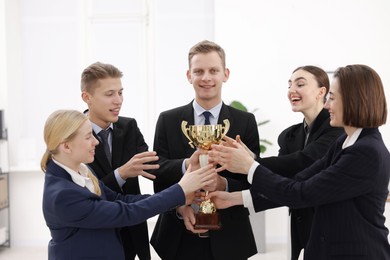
174 236
124 153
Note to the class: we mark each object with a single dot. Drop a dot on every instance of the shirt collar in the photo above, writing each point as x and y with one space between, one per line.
81 179
350 140
214 111
97 128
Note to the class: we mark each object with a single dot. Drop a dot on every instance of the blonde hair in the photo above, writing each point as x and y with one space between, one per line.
61 126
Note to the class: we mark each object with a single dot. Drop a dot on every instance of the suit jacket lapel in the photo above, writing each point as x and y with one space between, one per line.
117 140
101 158
187 115
317 124
295 139
225 114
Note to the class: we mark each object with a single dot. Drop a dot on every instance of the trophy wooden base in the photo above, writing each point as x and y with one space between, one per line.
210 221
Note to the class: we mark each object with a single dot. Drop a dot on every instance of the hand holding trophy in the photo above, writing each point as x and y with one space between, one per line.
202 137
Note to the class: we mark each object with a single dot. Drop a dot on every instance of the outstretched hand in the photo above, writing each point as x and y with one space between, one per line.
229 142
194 180
223 199
138 165
232 157
194 159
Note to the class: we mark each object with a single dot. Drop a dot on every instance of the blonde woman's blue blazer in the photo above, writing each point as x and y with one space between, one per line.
84 225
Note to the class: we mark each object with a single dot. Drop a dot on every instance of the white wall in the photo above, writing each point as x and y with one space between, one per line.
48 43
3 71
266 40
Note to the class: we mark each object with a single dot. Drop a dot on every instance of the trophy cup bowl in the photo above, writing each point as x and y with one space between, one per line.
202 137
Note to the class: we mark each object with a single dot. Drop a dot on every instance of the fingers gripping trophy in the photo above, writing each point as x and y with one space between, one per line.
202 137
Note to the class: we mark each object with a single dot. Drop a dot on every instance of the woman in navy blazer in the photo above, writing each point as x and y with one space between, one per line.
348 187
82 214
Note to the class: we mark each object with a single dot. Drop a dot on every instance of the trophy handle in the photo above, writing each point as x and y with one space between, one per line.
185 132
225 128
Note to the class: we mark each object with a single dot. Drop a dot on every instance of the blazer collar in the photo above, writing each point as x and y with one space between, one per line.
118 138
55 169
188 114
322 116
100 156
225 114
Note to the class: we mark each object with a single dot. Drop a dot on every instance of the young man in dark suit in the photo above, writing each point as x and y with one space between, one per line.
123 152
174 236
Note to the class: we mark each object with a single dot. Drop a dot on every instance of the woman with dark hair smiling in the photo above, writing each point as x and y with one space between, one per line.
348 187
300 145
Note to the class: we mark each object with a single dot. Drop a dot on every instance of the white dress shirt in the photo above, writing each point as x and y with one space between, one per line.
80 178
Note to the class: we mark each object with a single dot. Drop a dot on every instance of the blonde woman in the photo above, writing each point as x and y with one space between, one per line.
83 214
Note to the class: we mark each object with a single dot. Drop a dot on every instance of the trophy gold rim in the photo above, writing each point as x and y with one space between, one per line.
203 136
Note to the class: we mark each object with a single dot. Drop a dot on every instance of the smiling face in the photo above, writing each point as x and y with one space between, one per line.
82 146
334 104
207 75
304 92
104 101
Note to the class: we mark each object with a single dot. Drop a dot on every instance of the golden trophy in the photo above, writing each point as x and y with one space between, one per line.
202 137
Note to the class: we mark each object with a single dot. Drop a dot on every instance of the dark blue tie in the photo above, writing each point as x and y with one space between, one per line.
104 137
206 115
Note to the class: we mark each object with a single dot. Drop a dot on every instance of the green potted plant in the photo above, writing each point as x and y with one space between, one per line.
263 142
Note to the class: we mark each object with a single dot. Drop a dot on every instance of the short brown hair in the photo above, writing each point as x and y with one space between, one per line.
97 71
363 97
206 47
